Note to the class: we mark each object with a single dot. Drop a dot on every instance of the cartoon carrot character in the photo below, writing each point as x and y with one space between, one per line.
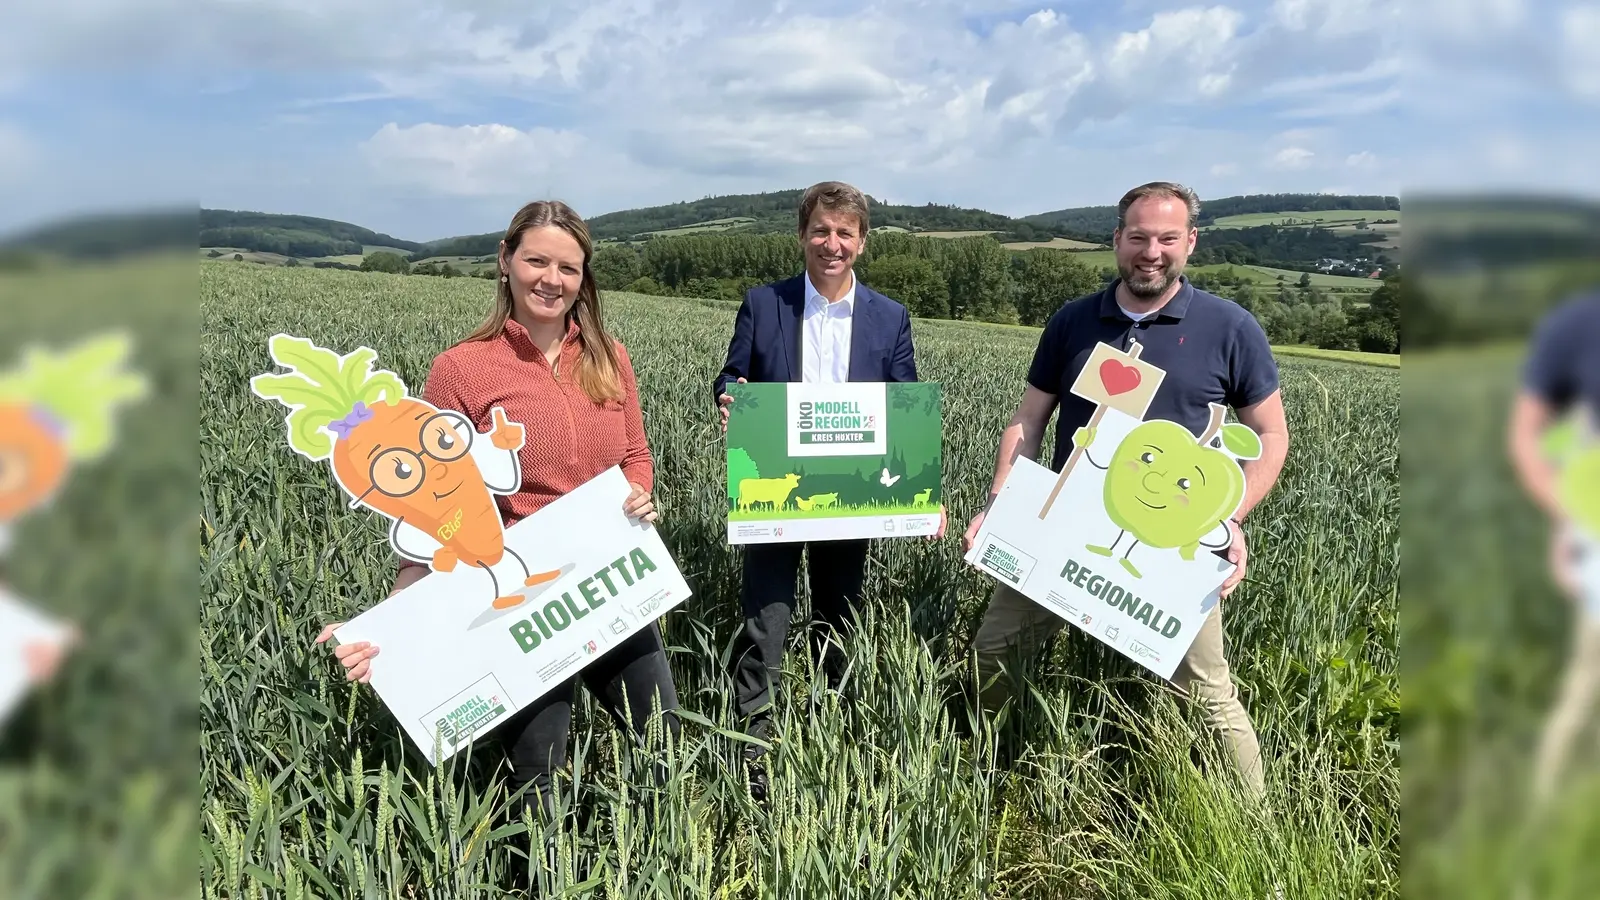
56 410
424 468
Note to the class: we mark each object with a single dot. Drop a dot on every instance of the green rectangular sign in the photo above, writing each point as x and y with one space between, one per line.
811 462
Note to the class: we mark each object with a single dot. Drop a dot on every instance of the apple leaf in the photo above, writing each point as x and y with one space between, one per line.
1241 441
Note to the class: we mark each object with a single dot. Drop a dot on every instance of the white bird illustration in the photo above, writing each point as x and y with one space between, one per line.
887 479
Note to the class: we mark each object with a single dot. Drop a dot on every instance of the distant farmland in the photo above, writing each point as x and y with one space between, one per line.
1059 243
278 259
1385 222
726 224
1323 217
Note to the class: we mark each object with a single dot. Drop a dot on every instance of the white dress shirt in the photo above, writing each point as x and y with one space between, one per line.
825 347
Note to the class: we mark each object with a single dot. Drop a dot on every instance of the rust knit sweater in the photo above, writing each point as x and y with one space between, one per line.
568 438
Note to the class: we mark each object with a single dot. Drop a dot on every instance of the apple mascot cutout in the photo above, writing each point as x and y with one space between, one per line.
1573 447
1168 490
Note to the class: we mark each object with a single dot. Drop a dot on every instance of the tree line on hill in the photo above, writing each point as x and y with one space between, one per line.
302 228
280 241
975 278
775 212
640 226
972 278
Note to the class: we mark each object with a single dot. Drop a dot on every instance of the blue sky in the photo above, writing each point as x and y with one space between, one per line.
424 118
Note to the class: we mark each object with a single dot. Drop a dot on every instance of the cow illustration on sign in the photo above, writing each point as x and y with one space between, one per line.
426 469
1163 487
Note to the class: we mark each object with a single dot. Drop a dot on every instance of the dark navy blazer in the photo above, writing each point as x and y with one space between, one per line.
767 337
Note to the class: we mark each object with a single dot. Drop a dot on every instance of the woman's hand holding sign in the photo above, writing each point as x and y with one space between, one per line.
356 657
639 505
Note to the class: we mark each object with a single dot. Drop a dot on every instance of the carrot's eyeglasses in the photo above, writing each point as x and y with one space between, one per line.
400 471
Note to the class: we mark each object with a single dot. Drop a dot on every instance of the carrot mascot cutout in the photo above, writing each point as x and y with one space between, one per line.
55 411
428 470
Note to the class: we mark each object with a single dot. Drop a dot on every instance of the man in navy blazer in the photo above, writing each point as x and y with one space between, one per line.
819 326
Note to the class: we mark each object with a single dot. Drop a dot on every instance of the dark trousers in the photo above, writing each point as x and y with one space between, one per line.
835 570
537 734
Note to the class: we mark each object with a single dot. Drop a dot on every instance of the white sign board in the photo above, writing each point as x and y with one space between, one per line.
20 628
1150 617
457 660
1588 575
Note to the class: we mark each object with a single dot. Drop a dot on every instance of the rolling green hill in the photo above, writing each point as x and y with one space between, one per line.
1266 230
768 213
290 235
107 236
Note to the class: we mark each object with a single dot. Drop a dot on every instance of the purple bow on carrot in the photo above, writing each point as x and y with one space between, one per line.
44 417
343 426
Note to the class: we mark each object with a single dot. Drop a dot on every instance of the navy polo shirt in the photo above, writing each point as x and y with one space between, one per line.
1213 351
1563 364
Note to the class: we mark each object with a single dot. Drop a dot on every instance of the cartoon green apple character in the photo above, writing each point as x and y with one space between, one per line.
1168 490
1571 446
1579 489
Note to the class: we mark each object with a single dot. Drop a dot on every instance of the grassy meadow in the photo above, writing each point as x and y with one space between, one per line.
1384 360
1097 784
1487 639
98 787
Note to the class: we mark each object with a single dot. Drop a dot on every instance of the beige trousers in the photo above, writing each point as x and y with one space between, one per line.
1573 708
1576 567
1012 620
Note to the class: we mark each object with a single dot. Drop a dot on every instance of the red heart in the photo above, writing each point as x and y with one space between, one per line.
1118 378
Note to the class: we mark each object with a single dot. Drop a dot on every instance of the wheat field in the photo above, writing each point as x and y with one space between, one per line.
1096 785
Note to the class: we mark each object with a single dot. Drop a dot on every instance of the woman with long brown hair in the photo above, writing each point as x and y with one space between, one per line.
544 356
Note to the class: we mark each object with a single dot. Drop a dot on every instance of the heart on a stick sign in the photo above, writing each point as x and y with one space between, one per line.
1118 378
1113 379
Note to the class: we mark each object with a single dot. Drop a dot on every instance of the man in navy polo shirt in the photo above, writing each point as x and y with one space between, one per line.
1562 376
1212 351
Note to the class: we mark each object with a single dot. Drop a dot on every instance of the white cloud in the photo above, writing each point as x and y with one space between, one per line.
1383 68
1580 30
1335 18
469 160
1366 159
1187 46
1345 105
648 101
1505 152
1462 22
1292 158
